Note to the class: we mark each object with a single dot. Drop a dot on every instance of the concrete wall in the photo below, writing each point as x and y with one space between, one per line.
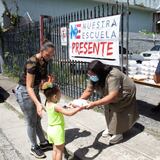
144 3
139 19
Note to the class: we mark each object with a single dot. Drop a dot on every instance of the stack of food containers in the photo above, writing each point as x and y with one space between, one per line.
132 68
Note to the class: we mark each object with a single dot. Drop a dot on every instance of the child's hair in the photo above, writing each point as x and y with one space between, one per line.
50 89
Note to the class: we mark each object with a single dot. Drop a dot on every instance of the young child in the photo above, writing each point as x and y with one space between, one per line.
55 131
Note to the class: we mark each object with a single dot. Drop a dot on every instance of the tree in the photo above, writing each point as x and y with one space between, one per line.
12 17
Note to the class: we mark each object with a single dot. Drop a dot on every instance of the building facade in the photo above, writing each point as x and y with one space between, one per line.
142 15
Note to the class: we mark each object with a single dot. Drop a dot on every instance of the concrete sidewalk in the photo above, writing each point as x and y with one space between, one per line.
83 135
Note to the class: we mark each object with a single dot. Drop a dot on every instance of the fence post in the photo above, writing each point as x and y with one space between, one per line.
41 30
1 44
1 51
127 36
122 21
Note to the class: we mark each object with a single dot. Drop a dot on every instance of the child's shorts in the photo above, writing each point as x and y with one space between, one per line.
56 134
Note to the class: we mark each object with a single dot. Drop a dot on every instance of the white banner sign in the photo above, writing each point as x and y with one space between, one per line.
95 39
63 36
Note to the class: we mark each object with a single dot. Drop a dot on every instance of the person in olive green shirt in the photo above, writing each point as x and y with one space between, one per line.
55 131
118 95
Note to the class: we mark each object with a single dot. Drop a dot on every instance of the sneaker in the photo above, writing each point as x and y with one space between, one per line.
105 133
37 152
46 145
115 138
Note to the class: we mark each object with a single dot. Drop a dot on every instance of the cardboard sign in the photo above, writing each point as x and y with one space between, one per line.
95 39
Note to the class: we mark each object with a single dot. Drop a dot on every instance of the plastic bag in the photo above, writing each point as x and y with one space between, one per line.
3 95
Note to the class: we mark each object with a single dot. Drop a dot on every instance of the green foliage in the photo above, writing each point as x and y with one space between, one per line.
64 75
99 109
10 73
62 72
145 32
11 69
14 18
6 54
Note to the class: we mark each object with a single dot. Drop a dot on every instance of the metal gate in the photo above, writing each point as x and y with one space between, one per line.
20 43
71 74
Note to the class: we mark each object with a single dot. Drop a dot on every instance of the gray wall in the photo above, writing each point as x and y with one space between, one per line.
1 11
139 19
51 7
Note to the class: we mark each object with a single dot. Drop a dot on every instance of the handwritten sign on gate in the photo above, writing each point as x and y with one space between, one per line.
95 39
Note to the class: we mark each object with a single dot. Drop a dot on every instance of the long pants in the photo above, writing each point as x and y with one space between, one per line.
34 127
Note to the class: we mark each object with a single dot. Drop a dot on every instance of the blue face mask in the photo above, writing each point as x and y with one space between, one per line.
94 78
